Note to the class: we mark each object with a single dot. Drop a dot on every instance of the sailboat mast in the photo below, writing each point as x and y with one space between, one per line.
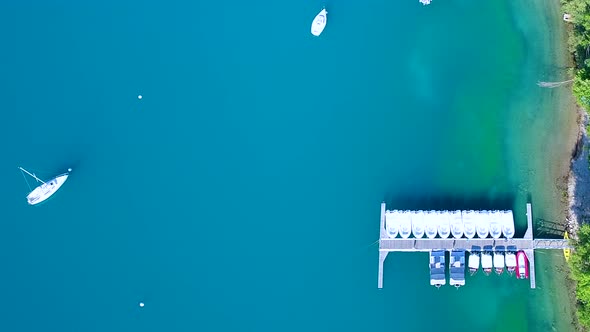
33 175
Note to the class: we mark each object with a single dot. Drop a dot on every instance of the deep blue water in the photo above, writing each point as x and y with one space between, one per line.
242 192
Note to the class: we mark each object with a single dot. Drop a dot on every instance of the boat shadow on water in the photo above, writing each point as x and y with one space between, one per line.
451 202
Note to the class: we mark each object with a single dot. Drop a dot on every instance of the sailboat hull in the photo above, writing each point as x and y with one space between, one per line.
46 190
319 23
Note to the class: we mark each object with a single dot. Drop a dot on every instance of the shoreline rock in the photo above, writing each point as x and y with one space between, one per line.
578 182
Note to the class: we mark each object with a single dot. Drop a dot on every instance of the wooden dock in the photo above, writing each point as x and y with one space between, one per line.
527 243
530 253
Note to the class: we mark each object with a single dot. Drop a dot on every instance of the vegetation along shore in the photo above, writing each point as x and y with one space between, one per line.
577 13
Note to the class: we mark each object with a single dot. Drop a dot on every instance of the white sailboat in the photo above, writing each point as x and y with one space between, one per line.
45 189
319 22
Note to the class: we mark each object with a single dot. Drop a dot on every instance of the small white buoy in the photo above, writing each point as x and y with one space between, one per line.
69 169
139 97
141 304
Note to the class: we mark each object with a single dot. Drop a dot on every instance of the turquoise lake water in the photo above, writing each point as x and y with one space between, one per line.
243 191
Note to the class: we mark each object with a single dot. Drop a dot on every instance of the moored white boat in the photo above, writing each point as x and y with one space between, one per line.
444 228
405 224
319 22
431 223
473 262
392 223
437 268
482 224
508 224
468 223
496 224
417 223
486 262
498 262
510 261
46 189
456 223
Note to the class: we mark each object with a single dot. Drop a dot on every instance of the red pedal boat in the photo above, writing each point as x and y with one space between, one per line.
522 265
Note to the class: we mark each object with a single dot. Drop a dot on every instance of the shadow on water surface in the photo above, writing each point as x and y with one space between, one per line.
451 202
549 228
544 228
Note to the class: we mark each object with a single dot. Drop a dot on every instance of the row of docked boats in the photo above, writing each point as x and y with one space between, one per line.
483 224
514 262
497 260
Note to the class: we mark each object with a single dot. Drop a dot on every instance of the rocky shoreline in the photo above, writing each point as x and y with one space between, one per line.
578 189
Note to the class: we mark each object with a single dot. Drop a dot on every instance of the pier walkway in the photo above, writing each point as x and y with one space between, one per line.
526 243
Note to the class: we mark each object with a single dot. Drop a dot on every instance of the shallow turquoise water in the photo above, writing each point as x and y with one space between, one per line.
242 192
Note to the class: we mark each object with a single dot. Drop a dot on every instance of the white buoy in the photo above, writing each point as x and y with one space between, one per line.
69 169
141 304
139 97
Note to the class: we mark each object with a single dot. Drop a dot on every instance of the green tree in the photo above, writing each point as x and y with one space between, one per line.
581 87
580 266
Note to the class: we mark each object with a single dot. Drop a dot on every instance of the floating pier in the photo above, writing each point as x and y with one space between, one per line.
389 242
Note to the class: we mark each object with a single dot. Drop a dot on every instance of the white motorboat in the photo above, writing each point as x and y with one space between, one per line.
417 223
431 223
496 224
46 188
457 268
405 224
482 224
498 262
486 262
510 262
444 228
319 22
473 262
392 223
468 223
508 224
437 268
456 223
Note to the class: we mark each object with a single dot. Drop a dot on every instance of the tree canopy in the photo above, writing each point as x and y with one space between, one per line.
579 45
580 266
